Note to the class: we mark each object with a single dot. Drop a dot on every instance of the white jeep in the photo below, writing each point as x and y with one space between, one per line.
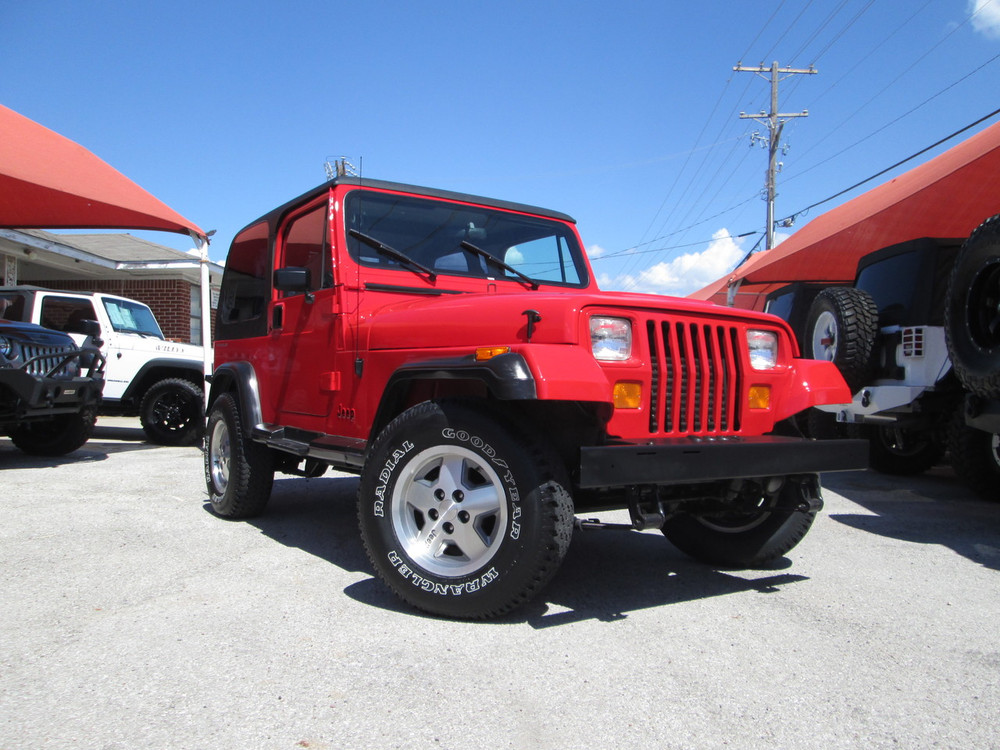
147 376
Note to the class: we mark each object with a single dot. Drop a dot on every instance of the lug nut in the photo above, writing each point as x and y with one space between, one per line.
433 514
463 516
448 528
439 494
458 496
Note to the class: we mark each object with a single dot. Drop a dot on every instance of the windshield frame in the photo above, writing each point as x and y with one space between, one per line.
430 230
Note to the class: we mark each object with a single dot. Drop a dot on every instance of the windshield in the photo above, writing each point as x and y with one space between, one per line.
431 233
132 317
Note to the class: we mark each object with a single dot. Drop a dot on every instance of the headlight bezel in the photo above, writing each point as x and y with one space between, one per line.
7 348
611 338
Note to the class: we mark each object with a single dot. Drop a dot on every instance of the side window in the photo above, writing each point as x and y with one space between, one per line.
66 313
305 246
245 285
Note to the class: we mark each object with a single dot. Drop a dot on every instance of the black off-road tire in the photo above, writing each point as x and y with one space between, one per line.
842 328
61 434
972 311
463 513
975 457
758 529
173 412
239 473
902 451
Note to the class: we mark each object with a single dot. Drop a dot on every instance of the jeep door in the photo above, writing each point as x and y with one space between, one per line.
303 318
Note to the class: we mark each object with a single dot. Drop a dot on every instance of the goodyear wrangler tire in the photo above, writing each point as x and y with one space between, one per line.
238 472
842 328
972 311
462 513
756 529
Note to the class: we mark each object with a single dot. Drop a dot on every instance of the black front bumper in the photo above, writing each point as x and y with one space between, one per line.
38 397
690 460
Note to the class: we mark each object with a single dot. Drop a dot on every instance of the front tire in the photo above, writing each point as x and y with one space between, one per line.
61 434
238 472
172 412
753 529
462 513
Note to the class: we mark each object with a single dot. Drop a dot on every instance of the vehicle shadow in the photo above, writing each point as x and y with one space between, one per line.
932 508
103 443
606 574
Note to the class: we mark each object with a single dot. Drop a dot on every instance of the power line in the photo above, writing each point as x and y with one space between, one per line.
897 164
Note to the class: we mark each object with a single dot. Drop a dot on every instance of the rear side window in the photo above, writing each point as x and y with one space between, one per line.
245 285
66 313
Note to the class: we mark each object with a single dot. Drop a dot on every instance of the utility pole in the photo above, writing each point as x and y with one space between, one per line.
774 121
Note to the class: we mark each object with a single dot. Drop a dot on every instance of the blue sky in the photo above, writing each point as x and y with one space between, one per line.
624 115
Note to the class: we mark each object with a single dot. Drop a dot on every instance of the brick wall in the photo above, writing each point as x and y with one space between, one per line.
169 299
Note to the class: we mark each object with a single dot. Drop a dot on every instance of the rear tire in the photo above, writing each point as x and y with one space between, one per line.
239 473
975 457
902 451
755 530
173 412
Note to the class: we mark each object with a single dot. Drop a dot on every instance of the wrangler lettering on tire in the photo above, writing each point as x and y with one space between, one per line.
462 514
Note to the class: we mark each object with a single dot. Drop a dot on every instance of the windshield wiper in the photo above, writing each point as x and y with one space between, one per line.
384 249
490 258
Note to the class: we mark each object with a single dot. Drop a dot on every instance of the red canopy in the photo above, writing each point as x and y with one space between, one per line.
948 196
48 181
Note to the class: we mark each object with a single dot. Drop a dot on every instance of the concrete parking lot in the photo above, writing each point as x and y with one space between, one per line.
132 617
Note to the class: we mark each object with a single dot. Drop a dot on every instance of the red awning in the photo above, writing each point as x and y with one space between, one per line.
49 182
948 197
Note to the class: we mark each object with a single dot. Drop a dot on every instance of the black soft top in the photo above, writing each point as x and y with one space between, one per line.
274 216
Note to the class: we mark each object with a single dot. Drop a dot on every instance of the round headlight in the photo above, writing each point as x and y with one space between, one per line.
6 347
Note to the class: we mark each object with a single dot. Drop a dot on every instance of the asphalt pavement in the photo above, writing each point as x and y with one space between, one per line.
131 617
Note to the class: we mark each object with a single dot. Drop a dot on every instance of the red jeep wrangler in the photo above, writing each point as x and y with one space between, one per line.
456 352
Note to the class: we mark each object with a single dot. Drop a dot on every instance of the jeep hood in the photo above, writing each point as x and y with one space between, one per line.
470 320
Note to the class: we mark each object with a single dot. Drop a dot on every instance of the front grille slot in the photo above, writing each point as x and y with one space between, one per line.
695 378
50 361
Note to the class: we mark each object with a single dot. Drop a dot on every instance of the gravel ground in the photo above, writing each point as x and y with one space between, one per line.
133 617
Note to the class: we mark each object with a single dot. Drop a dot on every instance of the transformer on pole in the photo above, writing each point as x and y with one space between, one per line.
774 121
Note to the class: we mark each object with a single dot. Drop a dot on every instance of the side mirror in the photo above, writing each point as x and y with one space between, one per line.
292 279
88 328
91 329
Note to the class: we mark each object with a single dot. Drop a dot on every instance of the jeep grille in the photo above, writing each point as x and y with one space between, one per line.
41 360
696 378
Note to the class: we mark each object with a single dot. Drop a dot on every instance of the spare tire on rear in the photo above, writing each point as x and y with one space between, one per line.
972 312
842 328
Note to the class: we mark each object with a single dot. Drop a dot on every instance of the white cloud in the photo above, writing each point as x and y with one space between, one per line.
987 17
595 251
683 274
